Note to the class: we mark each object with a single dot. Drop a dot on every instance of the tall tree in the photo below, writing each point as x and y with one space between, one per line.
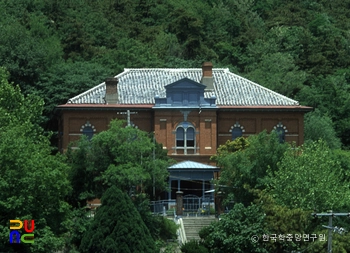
234 231
247 168
309 177
117 227
33 183
121 156
321 127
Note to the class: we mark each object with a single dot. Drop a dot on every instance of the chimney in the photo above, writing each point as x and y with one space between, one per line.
207 75
111 90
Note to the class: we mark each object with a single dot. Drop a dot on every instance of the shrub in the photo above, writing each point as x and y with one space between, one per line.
194 247
117 227
167 229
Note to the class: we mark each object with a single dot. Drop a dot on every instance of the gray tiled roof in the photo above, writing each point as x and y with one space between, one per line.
139 86
191 165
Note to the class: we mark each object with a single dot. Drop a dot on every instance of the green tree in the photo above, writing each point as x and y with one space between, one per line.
246 169
33 183
308 177
279 73
238 144
67 79
121 156
281 220
272 61
320 127
28 43
330 95
193 247
234 231
117 227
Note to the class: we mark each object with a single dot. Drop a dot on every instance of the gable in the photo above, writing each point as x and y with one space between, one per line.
185 83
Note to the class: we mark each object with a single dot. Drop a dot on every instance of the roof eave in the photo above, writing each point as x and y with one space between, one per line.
292 108
104 106
152 106
196 169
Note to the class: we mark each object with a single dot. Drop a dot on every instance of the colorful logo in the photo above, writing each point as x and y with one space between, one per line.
15 236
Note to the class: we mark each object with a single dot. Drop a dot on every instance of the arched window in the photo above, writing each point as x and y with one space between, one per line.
237 131
281 131
281 134
88 130
190 137
185 138
180 132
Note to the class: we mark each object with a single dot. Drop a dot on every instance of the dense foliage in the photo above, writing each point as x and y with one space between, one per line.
310 177
127 158
317 126
247 167
234 231
117 227
121 156
193 247
58 49
286 184
33 183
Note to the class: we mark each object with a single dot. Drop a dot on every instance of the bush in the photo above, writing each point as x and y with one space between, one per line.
117 227
194 247
204 232
232 232
167 229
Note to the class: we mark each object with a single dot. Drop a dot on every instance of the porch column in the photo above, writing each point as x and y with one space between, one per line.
203 188
179 203
169 193
218 203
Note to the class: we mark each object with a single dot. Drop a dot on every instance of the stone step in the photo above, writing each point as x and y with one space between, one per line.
193 225
198 223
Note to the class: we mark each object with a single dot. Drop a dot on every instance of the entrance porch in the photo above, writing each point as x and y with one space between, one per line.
194 180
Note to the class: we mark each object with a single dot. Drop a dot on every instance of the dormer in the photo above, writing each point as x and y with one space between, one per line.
185 93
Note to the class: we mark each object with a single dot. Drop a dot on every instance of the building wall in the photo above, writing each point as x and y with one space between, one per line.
212 126
255 122
72 122
166 122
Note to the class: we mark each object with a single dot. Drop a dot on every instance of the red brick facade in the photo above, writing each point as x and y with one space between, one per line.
212 127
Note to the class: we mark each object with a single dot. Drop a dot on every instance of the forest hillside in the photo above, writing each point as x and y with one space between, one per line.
300 48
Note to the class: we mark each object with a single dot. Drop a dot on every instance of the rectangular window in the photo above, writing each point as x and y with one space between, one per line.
193 98
177 98
190 137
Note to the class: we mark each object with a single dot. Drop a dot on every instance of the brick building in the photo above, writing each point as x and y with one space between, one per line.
191 111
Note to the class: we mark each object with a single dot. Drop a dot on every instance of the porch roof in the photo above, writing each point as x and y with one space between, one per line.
190 165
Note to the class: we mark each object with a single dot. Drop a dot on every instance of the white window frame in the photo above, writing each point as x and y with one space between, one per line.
185 126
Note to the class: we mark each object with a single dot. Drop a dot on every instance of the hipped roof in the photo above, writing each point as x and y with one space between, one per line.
140 86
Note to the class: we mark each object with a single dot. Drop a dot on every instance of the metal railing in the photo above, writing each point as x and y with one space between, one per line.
163 207
192 206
